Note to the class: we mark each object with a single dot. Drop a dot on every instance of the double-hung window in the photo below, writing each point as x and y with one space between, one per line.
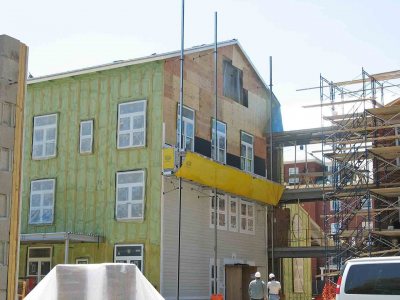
293 171
336 205
130 193
233 214
44 136
335 228
188 118
366 203
132 124
219 139
86 137
129 254
42 201
246 152
39 262
246 217
221 208
5 159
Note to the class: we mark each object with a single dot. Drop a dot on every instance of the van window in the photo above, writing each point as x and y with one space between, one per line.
373 279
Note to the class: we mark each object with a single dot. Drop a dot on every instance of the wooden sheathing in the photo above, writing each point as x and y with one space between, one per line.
199 96
16 176
85 192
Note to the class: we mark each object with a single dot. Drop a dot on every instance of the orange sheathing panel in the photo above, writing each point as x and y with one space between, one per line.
209 173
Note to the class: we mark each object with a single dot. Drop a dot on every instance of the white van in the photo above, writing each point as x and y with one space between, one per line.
370 278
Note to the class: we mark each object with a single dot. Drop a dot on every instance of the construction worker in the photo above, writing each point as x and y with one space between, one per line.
257 288
274 288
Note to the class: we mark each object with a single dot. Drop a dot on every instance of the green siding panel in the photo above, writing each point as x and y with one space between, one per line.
85 186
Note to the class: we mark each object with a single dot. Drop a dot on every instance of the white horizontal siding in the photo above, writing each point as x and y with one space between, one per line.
197 241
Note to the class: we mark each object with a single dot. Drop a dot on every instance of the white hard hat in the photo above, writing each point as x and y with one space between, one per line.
257 275
272 275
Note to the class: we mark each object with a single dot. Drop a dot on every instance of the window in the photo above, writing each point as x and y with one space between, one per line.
366 203
233 214
221 144
42 201
44 136
246 217
86 137
5 159
335 205
3 253
293 171
373 279
3 206
39 262
130 254
246 152
130 195
7 114
334 228
132 124
367 225
188 128
82 261
233 83
222 211
219 275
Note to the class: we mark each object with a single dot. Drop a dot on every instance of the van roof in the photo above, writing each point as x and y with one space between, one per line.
375 259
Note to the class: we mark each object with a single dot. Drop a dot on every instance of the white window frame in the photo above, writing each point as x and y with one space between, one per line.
131 131
130 202
367 225
234 215
42 207
44 142
82 261
223 213
365 204
220 278
246 164
334 203
127 259
293 171
9 156
6 203
247 217
186 121
39 260
86 137
335 227
219 134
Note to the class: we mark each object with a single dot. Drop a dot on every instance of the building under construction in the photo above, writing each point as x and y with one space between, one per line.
359 181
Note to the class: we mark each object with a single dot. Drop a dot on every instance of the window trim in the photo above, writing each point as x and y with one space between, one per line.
141 257
294 180
38 260
45 127
130 202
54 200
236 215
188 121
225 212
91 122
216 140
247 217
81 260
332 205
247 145
130 131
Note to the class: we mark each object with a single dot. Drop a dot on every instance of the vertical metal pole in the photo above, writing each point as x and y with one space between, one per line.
270 117
216 153
66 249
180 144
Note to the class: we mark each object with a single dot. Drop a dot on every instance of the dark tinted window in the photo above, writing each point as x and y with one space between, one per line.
375 279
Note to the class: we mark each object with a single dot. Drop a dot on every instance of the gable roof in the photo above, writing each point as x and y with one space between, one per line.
145 59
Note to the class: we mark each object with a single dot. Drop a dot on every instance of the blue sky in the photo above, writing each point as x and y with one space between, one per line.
306 38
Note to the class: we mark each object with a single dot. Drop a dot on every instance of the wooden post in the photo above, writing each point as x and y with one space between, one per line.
13 252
